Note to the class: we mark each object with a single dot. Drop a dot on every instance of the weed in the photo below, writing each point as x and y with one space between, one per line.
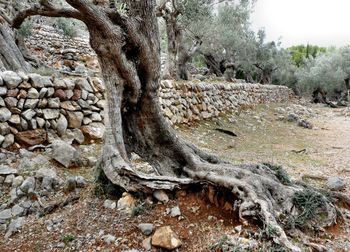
67 238
220 243
141 209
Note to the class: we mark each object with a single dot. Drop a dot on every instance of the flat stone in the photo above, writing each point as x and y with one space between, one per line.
31 137
28 185
175 211
14 226
5 214
6 170
39 81
15 119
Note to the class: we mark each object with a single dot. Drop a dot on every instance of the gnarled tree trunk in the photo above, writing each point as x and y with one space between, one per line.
11 57
127 46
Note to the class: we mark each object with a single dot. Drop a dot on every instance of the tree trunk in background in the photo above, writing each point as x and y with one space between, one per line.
213 65
11 57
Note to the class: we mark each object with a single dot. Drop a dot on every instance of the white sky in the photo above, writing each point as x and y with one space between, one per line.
320 22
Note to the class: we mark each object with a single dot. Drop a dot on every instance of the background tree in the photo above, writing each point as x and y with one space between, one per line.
128 49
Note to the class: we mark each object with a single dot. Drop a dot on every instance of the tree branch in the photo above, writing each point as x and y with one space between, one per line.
45 9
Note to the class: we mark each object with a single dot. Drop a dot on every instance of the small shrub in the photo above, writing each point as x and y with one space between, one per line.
67 26
310 205
280 173
26 28
220 243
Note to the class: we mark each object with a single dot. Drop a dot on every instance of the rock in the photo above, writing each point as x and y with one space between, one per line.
9 179
108 239
146 228
5 214
28 185
94 131
11 102
75 119
74 135
80 181
6 170
54 103
146 244
292 117
51 113
164 237
96 117
46 172
305 124
31 137
2 138
3 91
109 204
62 125
43 92
8 141
39 81
161 196
84 85
4 129
238 229
5 115
28 114
17 210
70 185
31 103
15 119
14 226
33 93
64 153
175 211
126 203
17 181
336 183
11 79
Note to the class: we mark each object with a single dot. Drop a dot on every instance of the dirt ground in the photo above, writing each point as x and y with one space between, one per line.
325 151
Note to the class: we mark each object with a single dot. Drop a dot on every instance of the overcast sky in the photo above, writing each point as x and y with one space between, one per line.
320 22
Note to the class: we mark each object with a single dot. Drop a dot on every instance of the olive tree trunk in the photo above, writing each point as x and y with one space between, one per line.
11 57
127 46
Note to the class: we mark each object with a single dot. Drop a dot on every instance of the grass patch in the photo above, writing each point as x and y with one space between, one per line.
67 238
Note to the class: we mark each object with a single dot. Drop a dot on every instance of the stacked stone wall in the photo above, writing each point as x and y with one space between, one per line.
185 102
32 105
34 108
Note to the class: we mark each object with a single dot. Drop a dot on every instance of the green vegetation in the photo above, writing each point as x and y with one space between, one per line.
67 26
310 204
26 28
67 238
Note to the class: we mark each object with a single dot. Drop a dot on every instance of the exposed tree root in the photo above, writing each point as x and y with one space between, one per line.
259 191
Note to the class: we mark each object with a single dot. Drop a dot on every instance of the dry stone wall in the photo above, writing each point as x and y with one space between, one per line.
185 102
35 109
32 105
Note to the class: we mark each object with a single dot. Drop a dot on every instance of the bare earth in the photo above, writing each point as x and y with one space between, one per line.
325 152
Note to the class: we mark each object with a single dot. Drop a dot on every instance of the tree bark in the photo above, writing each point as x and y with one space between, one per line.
130 61
11 57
